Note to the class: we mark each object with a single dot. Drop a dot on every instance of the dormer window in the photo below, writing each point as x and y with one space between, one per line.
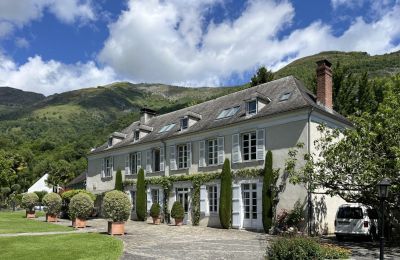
251 107
184 123
110 141
136 135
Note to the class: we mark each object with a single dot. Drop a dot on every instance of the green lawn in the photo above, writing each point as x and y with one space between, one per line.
15 222
67 246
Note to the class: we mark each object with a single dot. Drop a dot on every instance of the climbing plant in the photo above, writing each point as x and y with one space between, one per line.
141 196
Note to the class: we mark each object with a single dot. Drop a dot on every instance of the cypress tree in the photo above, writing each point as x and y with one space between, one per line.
225 198
267 197
118 181
141 196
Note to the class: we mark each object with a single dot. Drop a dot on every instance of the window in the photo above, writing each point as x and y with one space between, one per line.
133 162
212 198
108 167
249 144
184 123
182 156
213 152
285 96
252 107
155 198
349 212
228 112
166 128
156 160
136 135
110 141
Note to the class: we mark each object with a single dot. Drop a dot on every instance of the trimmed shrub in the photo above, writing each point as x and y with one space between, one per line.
116 206
177 210
267 196
29 201
141 196
155 210
67 196
81 206
52 201
118 181
225 199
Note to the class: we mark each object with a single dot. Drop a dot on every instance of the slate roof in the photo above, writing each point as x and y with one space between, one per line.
79 179
300 98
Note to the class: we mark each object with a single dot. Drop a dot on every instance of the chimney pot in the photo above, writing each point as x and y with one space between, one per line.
324 83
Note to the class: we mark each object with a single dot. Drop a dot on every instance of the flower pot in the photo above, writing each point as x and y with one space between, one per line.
51 218
79 223
30 214
116 228
178 222
157 221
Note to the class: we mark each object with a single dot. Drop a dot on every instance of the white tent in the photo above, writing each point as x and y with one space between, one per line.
41 185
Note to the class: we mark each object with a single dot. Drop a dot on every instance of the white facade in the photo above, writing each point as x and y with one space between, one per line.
41 185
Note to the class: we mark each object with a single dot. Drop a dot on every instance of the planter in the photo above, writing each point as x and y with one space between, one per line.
30 214
79 223
157 221
178 222
51 218
116 228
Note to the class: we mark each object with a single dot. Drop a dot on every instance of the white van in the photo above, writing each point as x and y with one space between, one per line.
355 219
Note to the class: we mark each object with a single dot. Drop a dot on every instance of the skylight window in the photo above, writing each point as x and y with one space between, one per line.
285 96
166 128
228 112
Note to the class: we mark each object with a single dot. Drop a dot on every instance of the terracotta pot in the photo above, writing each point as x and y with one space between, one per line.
30 214
178 222
116 228
157 221
79 223
51 218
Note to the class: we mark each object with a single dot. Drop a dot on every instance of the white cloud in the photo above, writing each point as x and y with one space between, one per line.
51 76
21 43
347 3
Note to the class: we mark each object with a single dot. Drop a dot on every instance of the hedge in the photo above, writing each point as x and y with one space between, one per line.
141 200
225 199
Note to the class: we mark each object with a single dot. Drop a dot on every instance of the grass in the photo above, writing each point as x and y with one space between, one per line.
68 246
15 222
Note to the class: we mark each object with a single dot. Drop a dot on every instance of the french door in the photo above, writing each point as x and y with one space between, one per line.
183 196
249 200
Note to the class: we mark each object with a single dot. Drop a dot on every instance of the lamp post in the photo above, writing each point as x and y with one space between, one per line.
383 193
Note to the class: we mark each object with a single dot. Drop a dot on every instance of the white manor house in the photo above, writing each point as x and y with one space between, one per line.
240 127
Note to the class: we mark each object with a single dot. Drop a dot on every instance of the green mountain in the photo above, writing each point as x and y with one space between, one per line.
14 99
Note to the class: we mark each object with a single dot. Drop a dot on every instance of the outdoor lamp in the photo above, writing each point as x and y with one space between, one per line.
383 188
383 193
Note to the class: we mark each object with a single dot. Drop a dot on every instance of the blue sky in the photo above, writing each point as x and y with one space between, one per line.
51 46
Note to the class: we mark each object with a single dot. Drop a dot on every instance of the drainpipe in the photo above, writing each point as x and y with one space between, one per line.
309 199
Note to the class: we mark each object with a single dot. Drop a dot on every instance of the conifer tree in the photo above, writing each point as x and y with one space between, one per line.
141 196
225 199
118 181
267 195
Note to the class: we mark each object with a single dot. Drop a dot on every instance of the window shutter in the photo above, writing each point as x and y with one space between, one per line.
172 157
139 161
236 208
127 168
189 158
260 144
161 198
149 202
112 166
203 200
103 166
221 152
162 163
148 161
202 153
236 155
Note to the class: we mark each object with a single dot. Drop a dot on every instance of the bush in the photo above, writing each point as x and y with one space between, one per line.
116 206
41 195
296 216
52 201
67 196
225 199
267 195
177 210
155 210
81 206
304 248
118 181
141 202
29 201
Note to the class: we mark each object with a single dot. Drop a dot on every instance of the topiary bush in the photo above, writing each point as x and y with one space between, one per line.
267 195
29 201
141 203
81 206
155 210
118 181
116 206
225 199
52 201
177 210
67 196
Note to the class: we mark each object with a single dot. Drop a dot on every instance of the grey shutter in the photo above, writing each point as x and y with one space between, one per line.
161 198
221 152
127 168
236 155
203 200
202 153
148 161
189 158
260 144
138 161
162 159
172 157
103 166
236 209
149 202
112 165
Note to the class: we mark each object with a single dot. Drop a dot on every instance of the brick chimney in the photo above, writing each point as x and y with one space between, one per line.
324 83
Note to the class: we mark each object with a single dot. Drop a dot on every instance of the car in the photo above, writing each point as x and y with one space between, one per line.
356 219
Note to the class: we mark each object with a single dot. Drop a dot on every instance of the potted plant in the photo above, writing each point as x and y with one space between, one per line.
155 213
80 208
117 208
52 203
66 199
177 213
28 202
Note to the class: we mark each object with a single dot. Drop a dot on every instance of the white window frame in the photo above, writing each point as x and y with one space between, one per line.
155 193
248 107
212 155
133 157
212 196
182 156
138 135
108 167
187 123
250 146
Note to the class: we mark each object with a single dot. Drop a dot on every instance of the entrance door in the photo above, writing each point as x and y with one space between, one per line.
183 196
249 198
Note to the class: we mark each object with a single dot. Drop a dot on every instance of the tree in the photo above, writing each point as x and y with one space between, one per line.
141 196
263 75
118 181
225 198
60 173
267 196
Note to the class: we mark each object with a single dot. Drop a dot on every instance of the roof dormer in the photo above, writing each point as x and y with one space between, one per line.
189 120
256 103
141 131
115 138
